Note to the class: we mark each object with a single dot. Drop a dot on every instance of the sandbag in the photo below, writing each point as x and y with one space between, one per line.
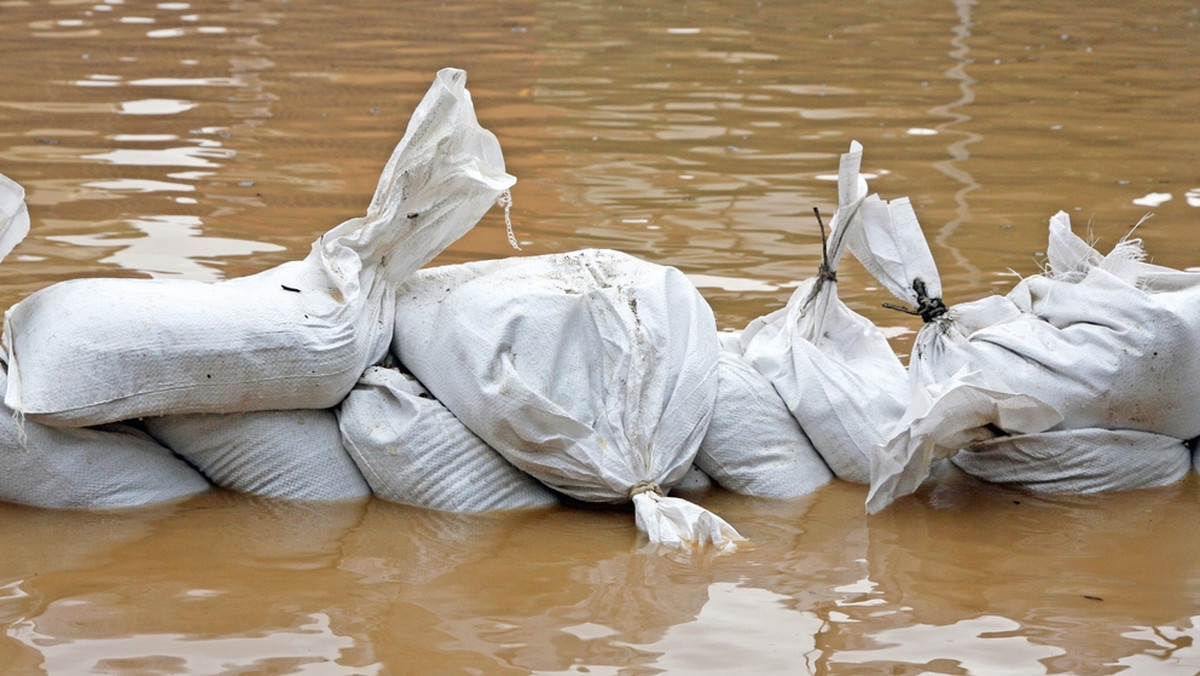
293 337
1102 348
412 450
111 466
753 445
593 371
295 454
1095 341
833 368
1078 460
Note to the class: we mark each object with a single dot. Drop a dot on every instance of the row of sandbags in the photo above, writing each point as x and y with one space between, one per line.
1080 379
591 374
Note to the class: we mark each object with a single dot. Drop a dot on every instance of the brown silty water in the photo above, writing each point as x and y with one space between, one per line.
211 140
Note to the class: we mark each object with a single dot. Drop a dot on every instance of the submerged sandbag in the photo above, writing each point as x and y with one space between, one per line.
592 370
111 466
412 450
753 445
1078 460
833 368
295 336
295 454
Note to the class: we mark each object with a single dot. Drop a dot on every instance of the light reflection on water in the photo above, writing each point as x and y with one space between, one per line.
310 648
167 246
208 141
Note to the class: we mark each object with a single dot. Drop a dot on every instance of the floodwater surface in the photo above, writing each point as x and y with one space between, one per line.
208 140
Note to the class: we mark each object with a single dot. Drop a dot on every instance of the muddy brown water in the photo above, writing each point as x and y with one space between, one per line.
207 140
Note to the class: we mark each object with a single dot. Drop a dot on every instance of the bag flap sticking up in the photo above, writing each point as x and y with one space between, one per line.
442 176
833 368
14 215
295 336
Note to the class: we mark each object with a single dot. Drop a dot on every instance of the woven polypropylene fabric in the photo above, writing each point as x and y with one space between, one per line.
88 468
753 445
1078 461
294 454
414 451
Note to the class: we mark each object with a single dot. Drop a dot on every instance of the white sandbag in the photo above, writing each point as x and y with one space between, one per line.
113 466
1092 339
592 371
753 445
1098 345
413 450
295 336
833 368
296 454
1078 460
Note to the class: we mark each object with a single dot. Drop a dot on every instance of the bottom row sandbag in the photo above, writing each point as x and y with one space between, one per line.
412 450
296 454
753 445
106 467
1078 460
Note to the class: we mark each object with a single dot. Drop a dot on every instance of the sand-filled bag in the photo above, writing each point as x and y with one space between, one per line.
90 351
414 451
593 371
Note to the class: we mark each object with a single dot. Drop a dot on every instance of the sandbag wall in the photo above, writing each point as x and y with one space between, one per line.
238 378
505 384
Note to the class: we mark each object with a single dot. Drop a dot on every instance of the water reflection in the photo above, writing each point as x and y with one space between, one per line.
174 139
981 645
155 107
168 246
311 647
203 154
732 618
958 149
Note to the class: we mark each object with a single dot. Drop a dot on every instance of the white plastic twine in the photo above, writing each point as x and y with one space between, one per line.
677 523
505 200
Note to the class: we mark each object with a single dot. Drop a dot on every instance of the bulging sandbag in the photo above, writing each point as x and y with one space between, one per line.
112 466
1104 349
296 454
833 368
1078 460
295 336
593 371
1101 342
412 450
753 445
